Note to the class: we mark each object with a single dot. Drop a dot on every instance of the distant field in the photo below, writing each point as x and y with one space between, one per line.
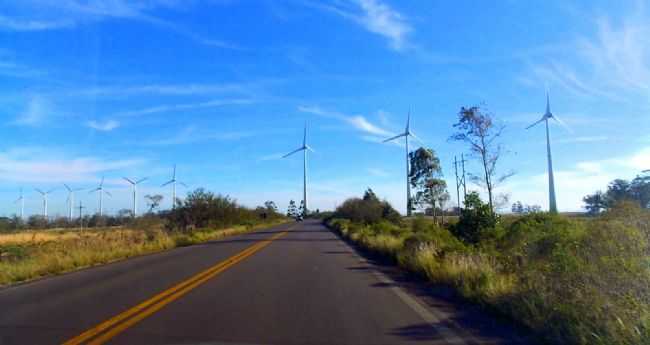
29 255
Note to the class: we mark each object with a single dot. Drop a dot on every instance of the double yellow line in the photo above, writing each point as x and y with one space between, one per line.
119 323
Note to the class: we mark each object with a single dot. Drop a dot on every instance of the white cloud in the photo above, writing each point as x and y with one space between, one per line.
378 172
192 134
43 165
105 126
376 17
36 113
184 106
358 122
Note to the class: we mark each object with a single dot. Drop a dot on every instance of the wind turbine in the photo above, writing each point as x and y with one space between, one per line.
407 133
304 148
22 204
134 185
45 194
71 199
173 182
101 191
551 180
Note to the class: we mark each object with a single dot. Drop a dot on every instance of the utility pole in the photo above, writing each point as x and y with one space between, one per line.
458 182
81 217
462 161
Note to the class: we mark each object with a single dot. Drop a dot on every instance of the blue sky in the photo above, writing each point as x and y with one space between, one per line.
222 88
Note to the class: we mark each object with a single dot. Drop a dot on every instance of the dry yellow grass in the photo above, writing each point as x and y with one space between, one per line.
34 254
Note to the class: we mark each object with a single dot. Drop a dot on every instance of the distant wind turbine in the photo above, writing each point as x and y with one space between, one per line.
21 199
71 199
551 180
45 194
134 184
304 148
173 182
100 190
407 133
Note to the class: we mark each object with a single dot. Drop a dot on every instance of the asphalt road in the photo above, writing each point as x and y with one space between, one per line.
291 284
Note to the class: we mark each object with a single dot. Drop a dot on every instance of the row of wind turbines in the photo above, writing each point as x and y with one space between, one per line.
101 191
408 133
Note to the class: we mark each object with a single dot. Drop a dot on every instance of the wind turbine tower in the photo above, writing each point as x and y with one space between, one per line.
44 194
100 190
173 182
21 199
551 180
134 184
71 199
407 133
304 148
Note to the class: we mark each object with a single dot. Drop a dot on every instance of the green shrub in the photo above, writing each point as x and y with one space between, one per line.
476 220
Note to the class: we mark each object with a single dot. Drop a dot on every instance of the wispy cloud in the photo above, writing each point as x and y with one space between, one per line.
43 165
378 172
358 122
184 106
34 15
167 89
376 17
193 134
105 126
36 112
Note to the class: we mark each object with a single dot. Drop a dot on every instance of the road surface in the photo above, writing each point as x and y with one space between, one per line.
291 284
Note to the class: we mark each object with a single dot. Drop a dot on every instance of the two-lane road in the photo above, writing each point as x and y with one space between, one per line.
291 284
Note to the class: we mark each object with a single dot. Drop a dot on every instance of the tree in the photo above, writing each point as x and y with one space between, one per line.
476 221
270 206
301 209
518 208
425 177
153 201
478 129
292 211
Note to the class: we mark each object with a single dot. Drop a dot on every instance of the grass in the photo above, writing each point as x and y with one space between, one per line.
33 254
570 280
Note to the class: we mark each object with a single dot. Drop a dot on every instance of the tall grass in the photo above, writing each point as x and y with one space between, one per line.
571 281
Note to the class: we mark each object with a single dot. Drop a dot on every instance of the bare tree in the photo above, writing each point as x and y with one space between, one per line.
478 129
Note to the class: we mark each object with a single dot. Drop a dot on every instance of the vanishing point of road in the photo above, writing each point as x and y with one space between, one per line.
290 284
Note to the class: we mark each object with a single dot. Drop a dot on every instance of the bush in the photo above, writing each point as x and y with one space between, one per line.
368 210
477 221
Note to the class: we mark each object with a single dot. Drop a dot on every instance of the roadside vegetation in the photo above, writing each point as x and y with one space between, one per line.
571 281
202 216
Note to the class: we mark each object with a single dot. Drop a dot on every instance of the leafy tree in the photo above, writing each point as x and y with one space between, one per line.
292 211
301 209
619 191
518 208
476 220
270 206
425 177
368 210
478 129
153 201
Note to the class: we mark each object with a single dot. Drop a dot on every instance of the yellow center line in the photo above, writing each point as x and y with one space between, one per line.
115 325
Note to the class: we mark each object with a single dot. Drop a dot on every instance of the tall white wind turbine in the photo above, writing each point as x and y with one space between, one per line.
407 133
21 199
304 148
100 191
44 194
134 185
551 180
173 182
71 199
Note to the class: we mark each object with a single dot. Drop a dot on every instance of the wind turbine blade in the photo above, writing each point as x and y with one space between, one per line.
141 180
562 123
417 138
38 190
395 137
304 138
292 152
94 190
167 183
67 187
174 177
128 180
109 194
310 149
536 123
183 184
51 190
102 183
408 121
78 189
